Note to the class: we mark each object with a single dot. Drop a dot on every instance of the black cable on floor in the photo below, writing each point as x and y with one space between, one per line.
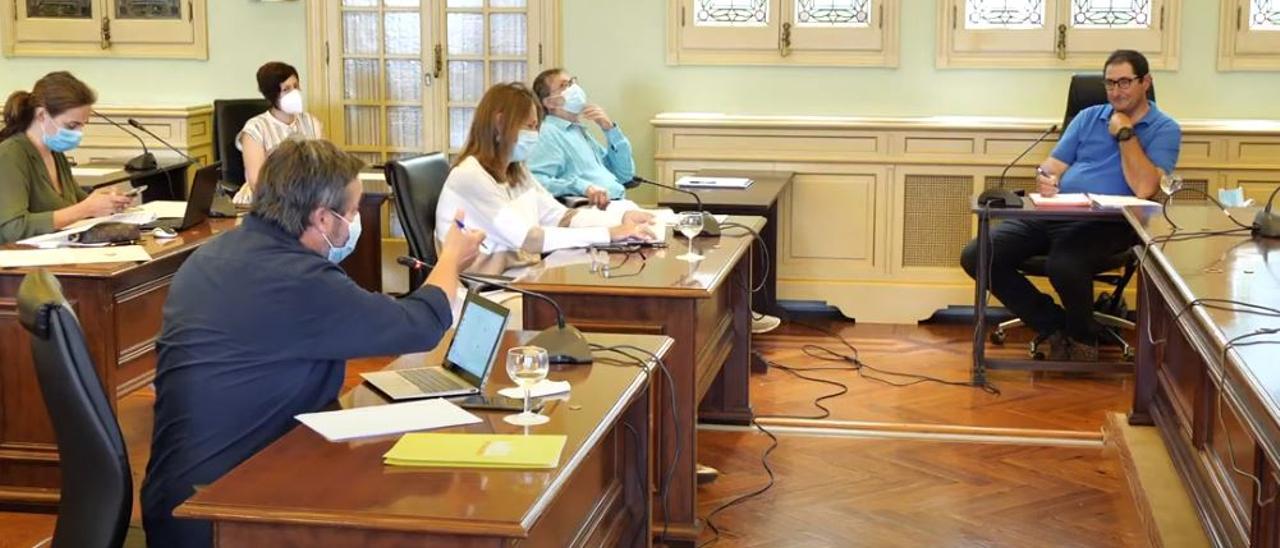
764 461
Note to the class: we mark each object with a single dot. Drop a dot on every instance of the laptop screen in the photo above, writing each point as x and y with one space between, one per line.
476 338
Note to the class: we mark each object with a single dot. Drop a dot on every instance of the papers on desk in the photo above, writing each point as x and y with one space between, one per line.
372 176
94 171
1108 201
692 181
13 258
133 216
477 451
1060 200
1098 201
544 387
164 209
393 418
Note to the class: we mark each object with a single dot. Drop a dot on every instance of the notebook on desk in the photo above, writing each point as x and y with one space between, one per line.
466 365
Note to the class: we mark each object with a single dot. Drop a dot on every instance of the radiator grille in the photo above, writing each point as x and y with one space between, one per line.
936 219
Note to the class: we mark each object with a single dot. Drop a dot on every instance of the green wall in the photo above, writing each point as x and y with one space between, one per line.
243 34
617 48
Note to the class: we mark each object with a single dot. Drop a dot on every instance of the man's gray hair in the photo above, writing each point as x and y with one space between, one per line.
298 177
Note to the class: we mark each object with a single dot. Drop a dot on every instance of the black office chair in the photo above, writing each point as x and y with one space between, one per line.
229 117
1109 309
416 184
97 486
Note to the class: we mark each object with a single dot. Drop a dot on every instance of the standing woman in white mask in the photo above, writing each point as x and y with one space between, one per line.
286 119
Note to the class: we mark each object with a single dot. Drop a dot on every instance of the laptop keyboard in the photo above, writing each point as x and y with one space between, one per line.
431 381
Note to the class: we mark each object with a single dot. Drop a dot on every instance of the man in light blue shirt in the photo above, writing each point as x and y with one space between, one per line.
567 160
1123 147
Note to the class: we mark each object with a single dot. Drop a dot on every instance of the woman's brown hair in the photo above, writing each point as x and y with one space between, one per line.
57 92
491 140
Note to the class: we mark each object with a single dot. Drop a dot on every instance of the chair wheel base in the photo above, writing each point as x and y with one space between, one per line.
998 337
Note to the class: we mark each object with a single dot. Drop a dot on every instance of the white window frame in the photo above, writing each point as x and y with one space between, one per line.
1041 47
105 35
782 41
1240 48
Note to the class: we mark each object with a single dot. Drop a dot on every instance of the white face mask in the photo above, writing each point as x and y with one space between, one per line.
291 102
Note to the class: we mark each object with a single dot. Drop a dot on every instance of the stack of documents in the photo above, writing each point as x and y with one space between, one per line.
379 420
477 451
1098 201
689 181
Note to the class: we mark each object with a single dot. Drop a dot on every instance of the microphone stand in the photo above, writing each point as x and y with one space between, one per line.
710 226
1001 196
564 343
142 162
1266 223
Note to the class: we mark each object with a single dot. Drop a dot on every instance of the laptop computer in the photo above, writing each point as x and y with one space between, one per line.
466 364
203 188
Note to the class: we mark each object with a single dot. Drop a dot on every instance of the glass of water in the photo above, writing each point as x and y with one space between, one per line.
527 365
690 224
1170 183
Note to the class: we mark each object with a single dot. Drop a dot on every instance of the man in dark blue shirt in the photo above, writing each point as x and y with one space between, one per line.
1123 147
259 324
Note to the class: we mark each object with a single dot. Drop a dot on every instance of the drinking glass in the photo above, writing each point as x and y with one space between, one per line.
527 365
690 224
1170 183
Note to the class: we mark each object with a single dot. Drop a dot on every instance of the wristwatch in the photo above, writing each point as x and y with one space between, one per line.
1124 134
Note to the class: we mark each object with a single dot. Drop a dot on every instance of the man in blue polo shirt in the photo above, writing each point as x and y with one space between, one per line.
1122 147
259 324
567 160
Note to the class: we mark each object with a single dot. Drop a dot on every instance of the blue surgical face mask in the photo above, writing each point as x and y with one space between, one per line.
524 145
336 253
1231 197
63 139
575 99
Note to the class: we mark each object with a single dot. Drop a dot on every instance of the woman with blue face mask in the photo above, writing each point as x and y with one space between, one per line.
37 193
499 195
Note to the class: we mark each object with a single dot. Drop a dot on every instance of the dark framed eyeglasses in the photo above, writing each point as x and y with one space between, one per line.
1121 83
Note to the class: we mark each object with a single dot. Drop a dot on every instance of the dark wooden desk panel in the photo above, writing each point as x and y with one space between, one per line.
119 306
168 181
305 491
1216 408
705 307
365 263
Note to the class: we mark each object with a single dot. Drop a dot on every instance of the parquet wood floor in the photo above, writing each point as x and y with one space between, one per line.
876 492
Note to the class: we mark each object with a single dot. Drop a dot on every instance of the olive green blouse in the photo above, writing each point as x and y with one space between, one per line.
27 196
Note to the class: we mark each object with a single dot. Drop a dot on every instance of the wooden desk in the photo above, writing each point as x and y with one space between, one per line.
119 307
1028 211
305 491
1215 407
167 182
365 263
758 200
704 306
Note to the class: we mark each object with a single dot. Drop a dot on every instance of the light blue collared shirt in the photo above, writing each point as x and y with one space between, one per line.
567 160
1094 155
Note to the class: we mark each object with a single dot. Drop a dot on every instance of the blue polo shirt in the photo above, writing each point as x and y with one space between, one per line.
567 159
1094 155
257 329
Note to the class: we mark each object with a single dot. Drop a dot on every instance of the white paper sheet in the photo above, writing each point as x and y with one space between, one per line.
1059 200
691 181
94 171
372 176
165 209
1108 201
380 420
12 258
545 387
135 216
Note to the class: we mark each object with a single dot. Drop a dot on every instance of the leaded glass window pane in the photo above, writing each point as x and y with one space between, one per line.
1111 14
60 9
731 13
1003 14
1264 15
148 9
833 13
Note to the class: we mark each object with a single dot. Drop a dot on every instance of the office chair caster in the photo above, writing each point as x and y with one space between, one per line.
998 337
1127 352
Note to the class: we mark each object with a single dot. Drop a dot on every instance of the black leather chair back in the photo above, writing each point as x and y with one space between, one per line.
416 183
1087 90
229 117
97 486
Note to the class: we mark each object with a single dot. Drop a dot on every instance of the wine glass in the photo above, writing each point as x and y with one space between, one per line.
527 365
1170 183
690 224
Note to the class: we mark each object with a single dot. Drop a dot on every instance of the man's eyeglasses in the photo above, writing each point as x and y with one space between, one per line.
1122 83
568 83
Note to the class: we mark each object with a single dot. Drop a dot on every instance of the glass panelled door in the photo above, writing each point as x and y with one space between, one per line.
486 42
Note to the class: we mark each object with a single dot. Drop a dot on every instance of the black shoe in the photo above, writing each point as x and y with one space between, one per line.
706 474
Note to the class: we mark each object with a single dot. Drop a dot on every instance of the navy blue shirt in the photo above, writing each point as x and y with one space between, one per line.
258 328
1094 155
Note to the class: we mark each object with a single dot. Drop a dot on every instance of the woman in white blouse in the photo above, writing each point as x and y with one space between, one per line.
286 119
500 196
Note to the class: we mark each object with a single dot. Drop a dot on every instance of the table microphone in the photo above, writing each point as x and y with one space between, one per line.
1002 197
710 226
1266 223
142 162
564 343
137 124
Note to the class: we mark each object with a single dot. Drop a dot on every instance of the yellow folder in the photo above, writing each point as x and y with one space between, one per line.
476 450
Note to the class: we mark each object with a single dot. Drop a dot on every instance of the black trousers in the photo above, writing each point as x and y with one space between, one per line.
1075 250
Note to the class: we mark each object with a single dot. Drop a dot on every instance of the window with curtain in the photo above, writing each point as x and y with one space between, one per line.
783 32
1054 33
